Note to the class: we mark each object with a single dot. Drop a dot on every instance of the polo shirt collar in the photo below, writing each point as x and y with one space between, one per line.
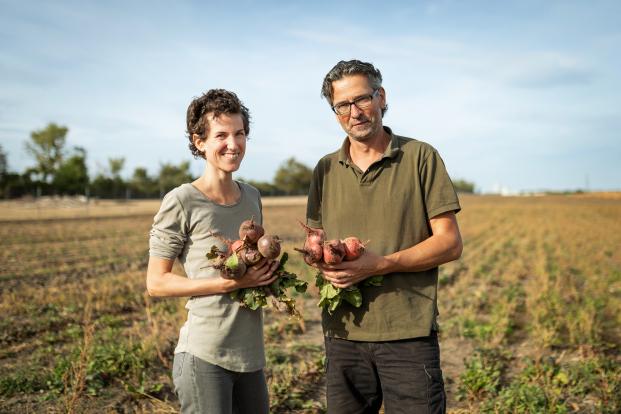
391 150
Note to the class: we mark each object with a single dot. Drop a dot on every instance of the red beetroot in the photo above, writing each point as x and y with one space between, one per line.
269 246
250 255
353 247
250 232
236 245
333 252
313 236
313 245
313 253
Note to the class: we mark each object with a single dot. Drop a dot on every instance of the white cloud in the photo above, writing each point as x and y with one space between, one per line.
121 83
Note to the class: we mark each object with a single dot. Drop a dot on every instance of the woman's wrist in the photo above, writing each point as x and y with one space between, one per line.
228 285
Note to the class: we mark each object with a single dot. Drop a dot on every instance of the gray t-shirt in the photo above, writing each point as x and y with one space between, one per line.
217 330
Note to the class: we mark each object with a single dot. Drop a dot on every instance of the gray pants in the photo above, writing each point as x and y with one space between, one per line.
206 388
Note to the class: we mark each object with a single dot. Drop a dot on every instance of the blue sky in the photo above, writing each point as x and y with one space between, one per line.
522 95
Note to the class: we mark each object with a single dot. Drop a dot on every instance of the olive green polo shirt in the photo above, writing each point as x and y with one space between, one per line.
390 204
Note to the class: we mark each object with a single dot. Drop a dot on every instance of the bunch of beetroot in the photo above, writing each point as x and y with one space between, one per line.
316 249
251 249
332 252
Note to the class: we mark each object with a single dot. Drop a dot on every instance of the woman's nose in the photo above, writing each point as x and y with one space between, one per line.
231 142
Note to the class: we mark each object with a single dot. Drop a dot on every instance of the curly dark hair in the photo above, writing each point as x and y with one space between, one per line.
350 68
214 102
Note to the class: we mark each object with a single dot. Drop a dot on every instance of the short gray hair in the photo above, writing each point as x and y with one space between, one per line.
350 68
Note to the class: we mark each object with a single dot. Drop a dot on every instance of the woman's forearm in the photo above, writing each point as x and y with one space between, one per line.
173 285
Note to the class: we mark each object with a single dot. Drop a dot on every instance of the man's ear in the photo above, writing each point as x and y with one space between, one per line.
382 94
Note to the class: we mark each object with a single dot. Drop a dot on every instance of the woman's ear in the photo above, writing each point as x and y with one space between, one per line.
198 141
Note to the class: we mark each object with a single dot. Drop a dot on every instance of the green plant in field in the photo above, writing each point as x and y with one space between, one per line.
291 383
277 356
546 386
482 375
471 328
283 329
109 360
112 361
599 377
519 398
547 315
23 381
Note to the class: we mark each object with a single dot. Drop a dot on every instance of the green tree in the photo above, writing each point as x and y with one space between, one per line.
463 186
3 163
110 184
72 175
116 166
293 177
4 176
265 188
12 184
46 146
142 185
171 176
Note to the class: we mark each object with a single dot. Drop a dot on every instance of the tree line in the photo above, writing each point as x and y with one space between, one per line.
61 171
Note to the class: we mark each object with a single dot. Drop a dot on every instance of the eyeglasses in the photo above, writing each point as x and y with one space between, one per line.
361 102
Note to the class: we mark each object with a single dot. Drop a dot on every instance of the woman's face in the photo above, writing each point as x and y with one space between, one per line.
225 145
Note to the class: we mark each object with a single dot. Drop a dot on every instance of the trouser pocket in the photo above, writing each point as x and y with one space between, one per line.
177 369
436 396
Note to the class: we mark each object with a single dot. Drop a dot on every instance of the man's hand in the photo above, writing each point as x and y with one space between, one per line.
348 273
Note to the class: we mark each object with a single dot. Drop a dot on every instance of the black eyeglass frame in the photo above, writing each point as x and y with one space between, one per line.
355 102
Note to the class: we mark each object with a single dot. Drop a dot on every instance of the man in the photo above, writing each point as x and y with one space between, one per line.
395 192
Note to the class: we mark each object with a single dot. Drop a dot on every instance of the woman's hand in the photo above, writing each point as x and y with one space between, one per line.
261 274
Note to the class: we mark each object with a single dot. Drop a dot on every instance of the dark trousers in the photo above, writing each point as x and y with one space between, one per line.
405 375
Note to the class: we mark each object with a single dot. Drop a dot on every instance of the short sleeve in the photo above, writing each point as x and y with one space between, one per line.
260 202
440 195
169 231
313 206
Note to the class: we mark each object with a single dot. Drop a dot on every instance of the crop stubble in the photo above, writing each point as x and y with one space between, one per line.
535 296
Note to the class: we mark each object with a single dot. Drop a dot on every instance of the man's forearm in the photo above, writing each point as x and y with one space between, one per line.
436 250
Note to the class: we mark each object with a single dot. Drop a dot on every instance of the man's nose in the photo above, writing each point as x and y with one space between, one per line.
354 110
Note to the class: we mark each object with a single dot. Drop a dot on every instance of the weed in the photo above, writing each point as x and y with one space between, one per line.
23 381
483 374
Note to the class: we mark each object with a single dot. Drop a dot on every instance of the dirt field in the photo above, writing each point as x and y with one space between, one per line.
530 315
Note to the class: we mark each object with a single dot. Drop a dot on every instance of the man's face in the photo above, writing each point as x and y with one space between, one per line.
359 124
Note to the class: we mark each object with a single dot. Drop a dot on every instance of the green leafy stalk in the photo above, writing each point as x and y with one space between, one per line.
256 297
331 297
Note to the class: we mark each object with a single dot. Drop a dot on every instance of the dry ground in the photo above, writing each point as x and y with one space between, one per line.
530 314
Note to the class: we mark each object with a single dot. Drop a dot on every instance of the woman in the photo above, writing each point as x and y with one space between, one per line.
219 359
